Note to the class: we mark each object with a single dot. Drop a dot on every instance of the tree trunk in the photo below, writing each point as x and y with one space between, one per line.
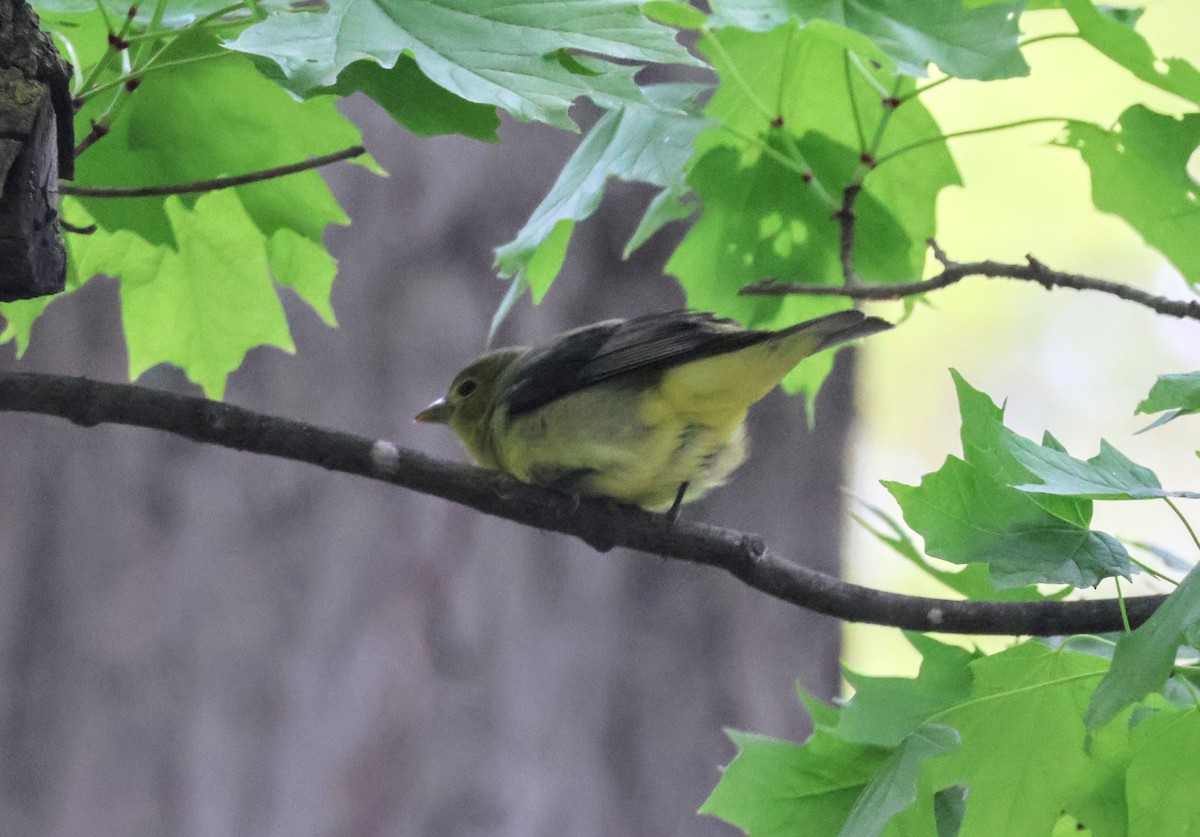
202 642
35 143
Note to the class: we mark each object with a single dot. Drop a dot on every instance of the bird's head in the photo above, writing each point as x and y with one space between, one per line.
468 405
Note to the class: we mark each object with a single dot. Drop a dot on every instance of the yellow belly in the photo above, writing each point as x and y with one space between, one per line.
624 442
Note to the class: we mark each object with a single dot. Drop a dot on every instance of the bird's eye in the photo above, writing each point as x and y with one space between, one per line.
466 388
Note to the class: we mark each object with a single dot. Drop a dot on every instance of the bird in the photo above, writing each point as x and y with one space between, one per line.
648 411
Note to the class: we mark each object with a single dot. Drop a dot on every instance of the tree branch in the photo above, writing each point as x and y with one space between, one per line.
208 185
602 524
953 271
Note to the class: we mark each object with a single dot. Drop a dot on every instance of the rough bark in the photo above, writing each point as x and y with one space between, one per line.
35 147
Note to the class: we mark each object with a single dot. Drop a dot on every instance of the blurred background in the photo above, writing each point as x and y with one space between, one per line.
200 642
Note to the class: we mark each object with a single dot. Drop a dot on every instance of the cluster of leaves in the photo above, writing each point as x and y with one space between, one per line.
797 102
1082 737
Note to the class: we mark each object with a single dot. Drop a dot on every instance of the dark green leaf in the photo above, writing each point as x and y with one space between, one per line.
1144 658
965 516
967 512
949 807
1109 475
971 43
894 788
971 581
983 435
416 102
501 53
1178 394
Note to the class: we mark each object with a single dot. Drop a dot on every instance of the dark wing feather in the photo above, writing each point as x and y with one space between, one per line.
614 348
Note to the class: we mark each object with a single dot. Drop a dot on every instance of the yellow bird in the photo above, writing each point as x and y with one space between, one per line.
648 411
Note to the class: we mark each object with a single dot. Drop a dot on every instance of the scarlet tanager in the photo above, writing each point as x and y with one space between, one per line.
648 411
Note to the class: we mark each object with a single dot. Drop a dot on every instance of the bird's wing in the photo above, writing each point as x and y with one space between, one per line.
614 348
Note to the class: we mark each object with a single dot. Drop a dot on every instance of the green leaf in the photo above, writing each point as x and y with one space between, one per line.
776 788
650 142
416 102
805 76
1139 172
983 440
971 581
166 135
761 218
306 267
1113 35
502 53
544 263
1109 475
1143 659
19 318
949 808
674 13
967 512
667 206
1163 776
965 516
1178 394
886 710
204 305
1022 756
894 788
822 713
975 43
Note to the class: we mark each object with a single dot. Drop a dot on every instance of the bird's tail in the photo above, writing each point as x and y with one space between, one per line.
839 327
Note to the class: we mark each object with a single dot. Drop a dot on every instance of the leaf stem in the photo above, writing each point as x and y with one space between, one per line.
868 75
1183 520
149 68
920 91
1053 36
1121 605
1146 568
1020 123
858 126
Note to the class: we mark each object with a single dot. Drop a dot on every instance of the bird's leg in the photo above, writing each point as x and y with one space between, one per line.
673 512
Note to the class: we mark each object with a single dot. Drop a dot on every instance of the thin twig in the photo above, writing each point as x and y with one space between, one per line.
209 185
602 524
99 129
75 228
1033 271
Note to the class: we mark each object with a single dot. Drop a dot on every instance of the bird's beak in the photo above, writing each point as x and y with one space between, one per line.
438 412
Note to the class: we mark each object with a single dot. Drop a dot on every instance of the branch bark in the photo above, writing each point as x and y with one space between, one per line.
601 524
952 271
213 184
